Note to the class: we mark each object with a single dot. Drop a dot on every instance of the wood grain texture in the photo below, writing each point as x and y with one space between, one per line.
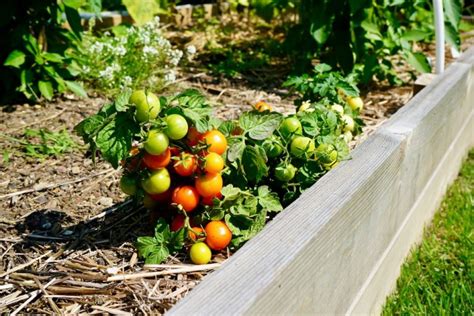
338 248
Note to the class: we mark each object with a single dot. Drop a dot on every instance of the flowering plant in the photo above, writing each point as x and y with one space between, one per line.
132 57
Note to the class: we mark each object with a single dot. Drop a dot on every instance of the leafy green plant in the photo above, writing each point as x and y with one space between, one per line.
34 59
131 57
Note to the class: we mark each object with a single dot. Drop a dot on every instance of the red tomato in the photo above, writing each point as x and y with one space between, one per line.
186 165
210 200
177 223
193 136
187 196
157 161
209 185
218 235
216 141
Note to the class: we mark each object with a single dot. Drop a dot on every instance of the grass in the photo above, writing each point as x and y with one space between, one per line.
438 277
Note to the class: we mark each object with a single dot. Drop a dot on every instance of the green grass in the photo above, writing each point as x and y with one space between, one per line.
438 277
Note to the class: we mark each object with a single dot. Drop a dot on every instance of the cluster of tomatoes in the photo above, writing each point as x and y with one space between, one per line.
179 169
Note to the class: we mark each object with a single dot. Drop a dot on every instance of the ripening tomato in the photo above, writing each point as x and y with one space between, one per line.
216 141
157 161
156 142
200 253
176 126
128 184
218 235
193 136
158 182
262 106
338 108
209 201
195 230
209 184
213 163
186 196
177 223
356 103
186 165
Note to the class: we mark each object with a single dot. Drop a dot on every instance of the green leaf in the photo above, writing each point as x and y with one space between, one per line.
142 11
418 61
230 192
320 68
348 88
146 246
76 88
89 126
259 125
75 4
162 231
269 200
309 121
227 127
415 35
114 140
94 6
159 254
53 57
257 225
254 162
237 223
453 11
236 149
46 89
74 20
15 59
198 117
176 240
122 101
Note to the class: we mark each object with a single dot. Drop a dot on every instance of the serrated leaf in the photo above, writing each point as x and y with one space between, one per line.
122 101
309 122
199 119
114 140
145 246
254 162
15 59
269 200
230 192
176 240
415 35
159 254
236 149
142 11
89 126
259 126
258 222
46 89
237 223
349 89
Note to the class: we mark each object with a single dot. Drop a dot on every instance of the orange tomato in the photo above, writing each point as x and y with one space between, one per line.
209 184
186 196
157 161
262 106
216 141
218 235
186 165
198 230
210 200
213 163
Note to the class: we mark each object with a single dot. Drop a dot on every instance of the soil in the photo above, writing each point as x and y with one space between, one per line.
65 226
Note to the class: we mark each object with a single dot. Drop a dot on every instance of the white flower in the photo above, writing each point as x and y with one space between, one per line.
121 50
175 56
170 76
156 20
96 47
127 80
148 50
191 50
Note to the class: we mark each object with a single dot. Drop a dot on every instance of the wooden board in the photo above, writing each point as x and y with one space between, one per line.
339 247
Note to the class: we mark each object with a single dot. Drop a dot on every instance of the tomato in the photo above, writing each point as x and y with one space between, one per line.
197 230
348 123
200 253
290 126
193 136
213 163
356 104
128 184
156 142
149 202
158 182
218 235
157 161
186 165
347 136
164 197
176 126
216 141
301 146
338 109
174 151
209 185
326 154
273 147
262 106
285 173
147 105
186 196
209 201
177 223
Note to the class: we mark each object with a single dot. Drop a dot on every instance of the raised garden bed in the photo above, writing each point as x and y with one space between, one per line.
339 247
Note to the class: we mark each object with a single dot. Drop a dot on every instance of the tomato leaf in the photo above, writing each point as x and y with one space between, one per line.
230 192
254 162
268 200
236 149
258 222
122 101
259 126
146 246
176 240
159 254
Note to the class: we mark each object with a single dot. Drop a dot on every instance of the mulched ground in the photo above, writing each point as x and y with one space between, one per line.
66 230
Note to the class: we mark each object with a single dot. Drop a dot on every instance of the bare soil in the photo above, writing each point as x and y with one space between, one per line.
66 228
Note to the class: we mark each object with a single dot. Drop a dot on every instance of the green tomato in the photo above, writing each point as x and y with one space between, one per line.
326 154
347 136
147 105
128 185
156 142
158 182
273 147
200 253
176 126
356 103
348 123
301 146
285 173
291 126
338 109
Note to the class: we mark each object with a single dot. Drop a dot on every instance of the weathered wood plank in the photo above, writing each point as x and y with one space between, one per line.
338 248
